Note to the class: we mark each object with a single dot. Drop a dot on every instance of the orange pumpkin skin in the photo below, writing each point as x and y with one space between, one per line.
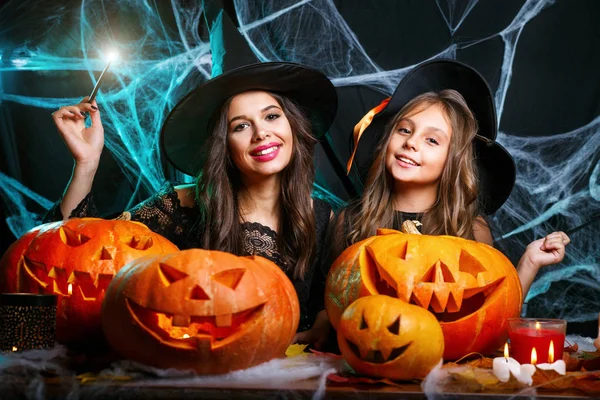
204 310
344 281
9 282
83 253
471 287
381 336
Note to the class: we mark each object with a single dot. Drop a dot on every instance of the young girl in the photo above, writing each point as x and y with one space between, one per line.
435 160
248 134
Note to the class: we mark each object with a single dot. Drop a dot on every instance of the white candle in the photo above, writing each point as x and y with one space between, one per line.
503 367
526 375
558 366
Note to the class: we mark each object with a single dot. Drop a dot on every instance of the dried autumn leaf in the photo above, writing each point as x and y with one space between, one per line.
572 349
353 379
587 382
591 364
485 362
295 350
572 362
589 355
473 379
550 379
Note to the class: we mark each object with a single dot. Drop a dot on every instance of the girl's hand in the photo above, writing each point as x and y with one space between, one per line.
318 334
547 251
85 144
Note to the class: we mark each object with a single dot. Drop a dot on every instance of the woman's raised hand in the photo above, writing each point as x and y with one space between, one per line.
84 143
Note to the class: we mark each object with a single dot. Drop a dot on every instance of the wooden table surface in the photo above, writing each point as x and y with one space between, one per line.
156 389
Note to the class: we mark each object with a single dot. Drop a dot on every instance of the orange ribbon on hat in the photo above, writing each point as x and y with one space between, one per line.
363 124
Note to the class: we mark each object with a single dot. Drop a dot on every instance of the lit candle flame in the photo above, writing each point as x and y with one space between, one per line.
70 289
537 326
14 348
533 356
186 336
551 352
506 351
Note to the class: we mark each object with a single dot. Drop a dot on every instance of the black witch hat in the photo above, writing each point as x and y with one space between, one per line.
496 166
236 70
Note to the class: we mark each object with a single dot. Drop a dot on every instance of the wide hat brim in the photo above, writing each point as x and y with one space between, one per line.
190 122
496 167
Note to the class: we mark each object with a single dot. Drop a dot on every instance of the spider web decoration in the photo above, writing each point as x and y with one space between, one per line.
45 48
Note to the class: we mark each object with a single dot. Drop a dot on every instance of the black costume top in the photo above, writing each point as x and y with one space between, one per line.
164 214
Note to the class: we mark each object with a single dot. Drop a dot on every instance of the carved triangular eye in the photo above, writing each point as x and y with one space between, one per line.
230 278
140 242
363 323
469 264
72 238
394 328
170 275
198 293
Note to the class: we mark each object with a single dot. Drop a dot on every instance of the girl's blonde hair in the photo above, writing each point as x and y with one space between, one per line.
456 208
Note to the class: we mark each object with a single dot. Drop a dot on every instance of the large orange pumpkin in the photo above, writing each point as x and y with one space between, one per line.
204 310
76 259
470 287
385 337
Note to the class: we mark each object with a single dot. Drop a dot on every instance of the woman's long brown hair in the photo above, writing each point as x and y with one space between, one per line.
455 210
219 186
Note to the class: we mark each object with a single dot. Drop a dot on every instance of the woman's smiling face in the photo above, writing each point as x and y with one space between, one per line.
259 135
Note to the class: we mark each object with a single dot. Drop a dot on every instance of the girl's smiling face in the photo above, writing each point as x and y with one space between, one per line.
418 148
259 135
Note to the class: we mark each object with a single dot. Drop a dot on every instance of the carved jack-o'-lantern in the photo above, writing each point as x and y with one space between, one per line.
470 287
204 310
385 337
76 259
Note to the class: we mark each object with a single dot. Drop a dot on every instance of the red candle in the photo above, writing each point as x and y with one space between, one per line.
523 340
527 334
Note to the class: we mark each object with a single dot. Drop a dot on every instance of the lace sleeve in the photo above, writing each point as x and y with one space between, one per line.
86 208
163 214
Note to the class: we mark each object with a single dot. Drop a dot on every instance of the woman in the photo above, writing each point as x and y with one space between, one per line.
248 135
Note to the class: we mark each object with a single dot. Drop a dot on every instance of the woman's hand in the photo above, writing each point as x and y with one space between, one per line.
318 334
84 143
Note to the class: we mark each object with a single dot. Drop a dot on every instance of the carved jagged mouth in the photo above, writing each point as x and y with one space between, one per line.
440 294
56 281
376 356
192 331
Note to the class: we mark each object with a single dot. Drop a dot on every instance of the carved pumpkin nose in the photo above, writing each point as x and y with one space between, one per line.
197 293
435 290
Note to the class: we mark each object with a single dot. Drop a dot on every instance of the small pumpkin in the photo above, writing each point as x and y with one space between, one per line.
470 287
210 311
381 336
76 259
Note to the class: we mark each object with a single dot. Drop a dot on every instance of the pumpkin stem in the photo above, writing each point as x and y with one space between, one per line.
411 227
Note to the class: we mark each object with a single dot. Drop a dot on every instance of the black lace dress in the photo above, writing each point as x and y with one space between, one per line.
163 214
